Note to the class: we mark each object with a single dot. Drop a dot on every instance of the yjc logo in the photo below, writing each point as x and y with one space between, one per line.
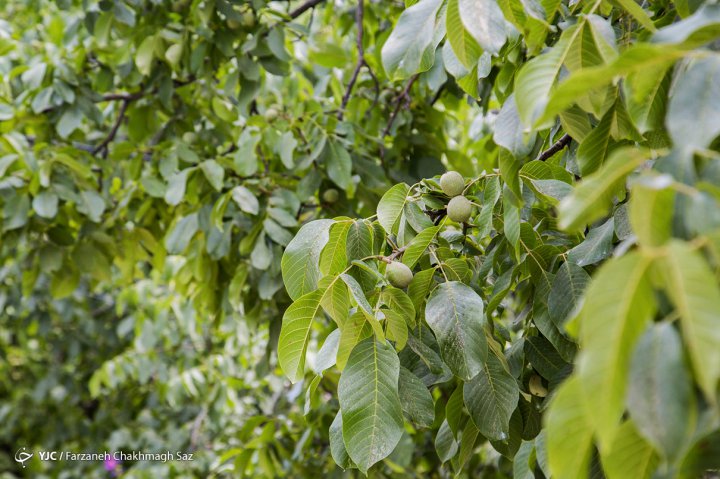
21 456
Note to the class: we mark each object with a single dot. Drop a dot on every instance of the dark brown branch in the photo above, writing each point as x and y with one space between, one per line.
557 146
377 89
359 13
304 7
404 96
111 136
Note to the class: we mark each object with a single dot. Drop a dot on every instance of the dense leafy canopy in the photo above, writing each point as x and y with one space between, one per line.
198 195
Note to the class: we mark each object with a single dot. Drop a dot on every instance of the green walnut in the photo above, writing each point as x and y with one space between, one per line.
398 274
271 114
331 195
536 386
459 209
248 20
452 183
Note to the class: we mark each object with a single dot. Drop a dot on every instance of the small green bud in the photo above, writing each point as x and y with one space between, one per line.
398 274
459 209
452 183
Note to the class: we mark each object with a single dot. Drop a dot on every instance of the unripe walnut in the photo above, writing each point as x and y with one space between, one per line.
398 274
459 209
536 386
271 114
452 183
331 195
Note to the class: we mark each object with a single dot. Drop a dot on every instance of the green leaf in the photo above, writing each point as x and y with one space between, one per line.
333 258
70 121
569 434
371 411
415 398
463 44
214 173
338 163
300 262
390 207
484 20
537 77
145 54
358 295
410 48
276 232
454 409
397 328
359 242
336 301
418 245
420 287
511 219
445 443
660 399
285 148
454 312
567 290
524 461
692 119
700 28
246 200
651 212
593 195
693 289
596 247
491 397
175 192
178 238
354 330
337 445
618 305
398 301
45 204
594 148
327 354
637 12
295 334
648 98
510 132
638 58
543 357
629 455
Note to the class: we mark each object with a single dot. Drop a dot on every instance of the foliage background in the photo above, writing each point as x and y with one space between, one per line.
157 157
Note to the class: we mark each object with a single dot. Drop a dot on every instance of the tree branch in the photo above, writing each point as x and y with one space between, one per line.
304 7
404 95
557 146
111 136
359 13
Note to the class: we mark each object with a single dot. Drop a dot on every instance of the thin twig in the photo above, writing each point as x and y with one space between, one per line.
557 146
377 90
359 13
394 255
438 94
404 95
304 7
111 136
